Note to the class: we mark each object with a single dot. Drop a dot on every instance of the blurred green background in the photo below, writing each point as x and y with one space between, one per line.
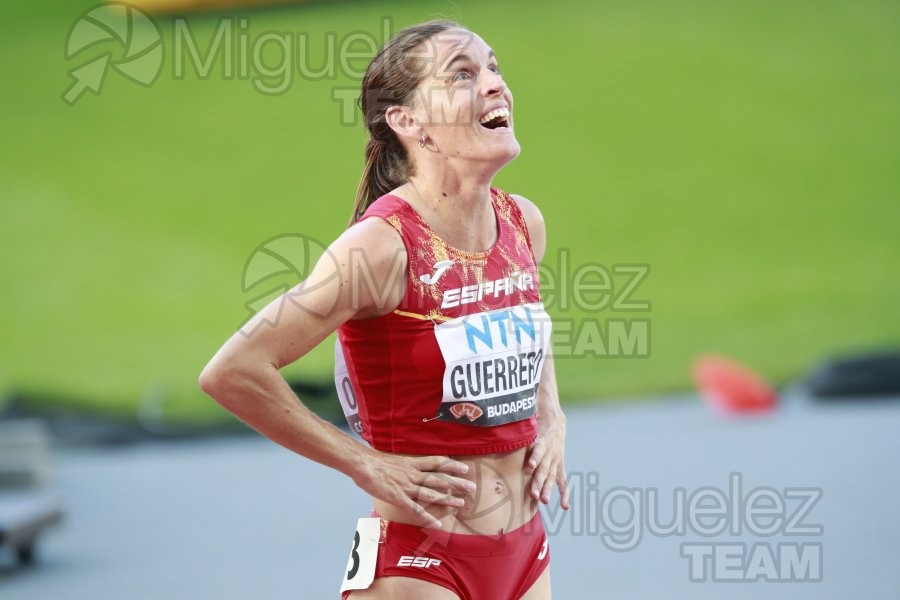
747 152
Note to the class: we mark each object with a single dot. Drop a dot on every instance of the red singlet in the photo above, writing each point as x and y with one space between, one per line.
455 368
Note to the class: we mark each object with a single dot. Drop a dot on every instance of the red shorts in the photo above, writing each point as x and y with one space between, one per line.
474 567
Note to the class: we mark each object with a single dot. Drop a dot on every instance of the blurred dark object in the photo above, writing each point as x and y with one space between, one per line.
26 507
24 453
866 375
71 423
319 396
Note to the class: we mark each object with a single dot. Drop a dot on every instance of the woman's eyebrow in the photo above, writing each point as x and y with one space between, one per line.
462 56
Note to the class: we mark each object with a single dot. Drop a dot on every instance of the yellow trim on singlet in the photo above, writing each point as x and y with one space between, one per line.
403 313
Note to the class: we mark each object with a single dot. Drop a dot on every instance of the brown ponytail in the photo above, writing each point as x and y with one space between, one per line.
385 169
391 79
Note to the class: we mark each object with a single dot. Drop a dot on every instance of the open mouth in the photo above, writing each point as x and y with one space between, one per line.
497 118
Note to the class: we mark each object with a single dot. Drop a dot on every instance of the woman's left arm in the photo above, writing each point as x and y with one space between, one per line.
546 457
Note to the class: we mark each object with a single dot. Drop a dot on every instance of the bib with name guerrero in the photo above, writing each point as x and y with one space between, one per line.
493 364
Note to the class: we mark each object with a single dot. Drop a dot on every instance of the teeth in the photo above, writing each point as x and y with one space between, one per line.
497 112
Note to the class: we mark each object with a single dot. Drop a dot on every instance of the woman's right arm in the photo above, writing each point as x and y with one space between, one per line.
244 376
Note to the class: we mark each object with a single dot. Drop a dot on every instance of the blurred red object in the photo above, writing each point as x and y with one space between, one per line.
731 386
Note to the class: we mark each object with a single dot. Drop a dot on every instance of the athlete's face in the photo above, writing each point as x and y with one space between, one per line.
463 104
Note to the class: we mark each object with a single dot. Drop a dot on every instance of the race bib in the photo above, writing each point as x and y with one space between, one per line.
493 364
345 389
361 565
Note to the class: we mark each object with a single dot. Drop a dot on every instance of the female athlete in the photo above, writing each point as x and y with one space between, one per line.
442 358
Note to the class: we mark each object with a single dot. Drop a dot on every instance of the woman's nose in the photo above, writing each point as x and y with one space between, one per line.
495 84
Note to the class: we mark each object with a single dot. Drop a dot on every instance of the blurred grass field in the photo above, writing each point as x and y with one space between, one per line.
746 152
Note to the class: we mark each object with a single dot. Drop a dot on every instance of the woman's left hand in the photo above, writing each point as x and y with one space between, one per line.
546 460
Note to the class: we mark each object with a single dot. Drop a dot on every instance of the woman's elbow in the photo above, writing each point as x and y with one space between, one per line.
210 380
235 383
219 381
206 378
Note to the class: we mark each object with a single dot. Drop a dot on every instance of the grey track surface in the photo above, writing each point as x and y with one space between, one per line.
238 518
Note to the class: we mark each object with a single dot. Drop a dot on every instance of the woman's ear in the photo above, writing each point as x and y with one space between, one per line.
400 119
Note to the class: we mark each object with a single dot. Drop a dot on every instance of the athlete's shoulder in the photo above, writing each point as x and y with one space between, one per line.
370 256
386 206
534 220
529 209
373 236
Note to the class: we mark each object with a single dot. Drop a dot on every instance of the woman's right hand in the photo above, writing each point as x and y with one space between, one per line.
415 483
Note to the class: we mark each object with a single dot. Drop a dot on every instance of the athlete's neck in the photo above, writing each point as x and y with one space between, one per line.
458 209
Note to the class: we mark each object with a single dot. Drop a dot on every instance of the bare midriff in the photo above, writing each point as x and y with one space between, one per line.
500 503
